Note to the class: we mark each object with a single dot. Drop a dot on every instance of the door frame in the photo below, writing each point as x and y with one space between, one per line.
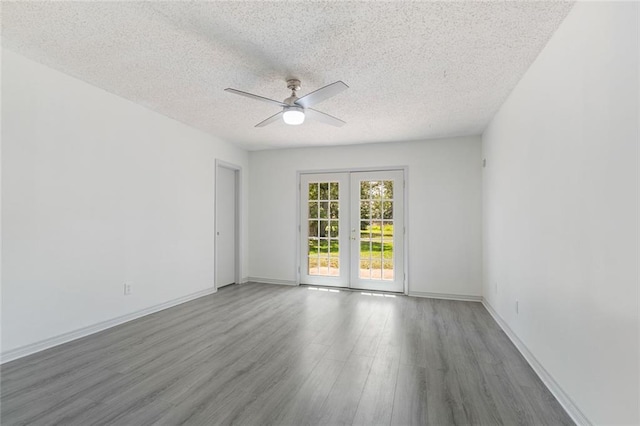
237 233
405 175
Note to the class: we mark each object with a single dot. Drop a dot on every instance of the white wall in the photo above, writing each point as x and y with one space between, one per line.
561 210
444 198
97 191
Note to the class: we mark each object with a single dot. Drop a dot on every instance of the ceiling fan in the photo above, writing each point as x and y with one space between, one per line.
295 109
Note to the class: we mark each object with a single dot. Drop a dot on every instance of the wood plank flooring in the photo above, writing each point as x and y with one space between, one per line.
257 354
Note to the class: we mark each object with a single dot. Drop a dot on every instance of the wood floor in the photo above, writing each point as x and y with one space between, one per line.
257 354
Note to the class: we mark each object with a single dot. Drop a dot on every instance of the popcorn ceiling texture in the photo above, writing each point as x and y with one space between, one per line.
416 70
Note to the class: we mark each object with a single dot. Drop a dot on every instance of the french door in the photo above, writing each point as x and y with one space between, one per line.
352 230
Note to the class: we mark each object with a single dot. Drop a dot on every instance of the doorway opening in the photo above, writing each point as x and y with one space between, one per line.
227 224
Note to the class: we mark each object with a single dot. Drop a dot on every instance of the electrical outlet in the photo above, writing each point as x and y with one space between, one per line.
127 289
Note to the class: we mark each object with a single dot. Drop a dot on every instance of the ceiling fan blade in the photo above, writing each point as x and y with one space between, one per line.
321 94
325 118
274 117
252 96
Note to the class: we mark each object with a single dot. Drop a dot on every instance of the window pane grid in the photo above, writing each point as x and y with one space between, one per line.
376 230
323 252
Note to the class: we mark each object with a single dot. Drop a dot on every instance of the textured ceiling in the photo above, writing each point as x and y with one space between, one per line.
416 70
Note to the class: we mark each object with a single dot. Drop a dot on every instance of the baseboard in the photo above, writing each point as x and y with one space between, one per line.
272 281
567 403
445 296
32 348
244 280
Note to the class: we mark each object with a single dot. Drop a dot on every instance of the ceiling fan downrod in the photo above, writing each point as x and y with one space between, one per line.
293 85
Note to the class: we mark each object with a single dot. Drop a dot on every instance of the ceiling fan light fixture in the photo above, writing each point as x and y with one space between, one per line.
294 109
293 115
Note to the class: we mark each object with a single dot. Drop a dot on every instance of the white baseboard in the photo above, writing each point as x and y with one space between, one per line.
244 280
272 281
445 296
32 348
567 403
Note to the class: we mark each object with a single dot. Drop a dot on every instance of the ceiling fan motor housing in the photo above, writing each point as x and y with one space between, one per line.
293 84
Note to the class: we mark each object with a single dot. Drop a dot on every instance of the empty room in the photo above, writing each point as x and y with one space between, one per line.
320 213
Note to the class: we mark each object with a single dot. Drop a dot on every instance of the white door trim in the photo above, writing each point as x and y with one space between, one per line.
405 173
238 228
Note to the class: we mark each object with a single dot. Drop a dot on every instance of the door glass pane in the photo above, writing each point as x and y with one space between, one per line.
313 229
365 259
313 191
324 190
333 191
334 257
387 210
376 230
364 190
324 229
364 229
323 265
376 256
365 269
365 210
324 209
313 256
333 210
387 190
334 229
313 210
387 251
376 190
376 210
